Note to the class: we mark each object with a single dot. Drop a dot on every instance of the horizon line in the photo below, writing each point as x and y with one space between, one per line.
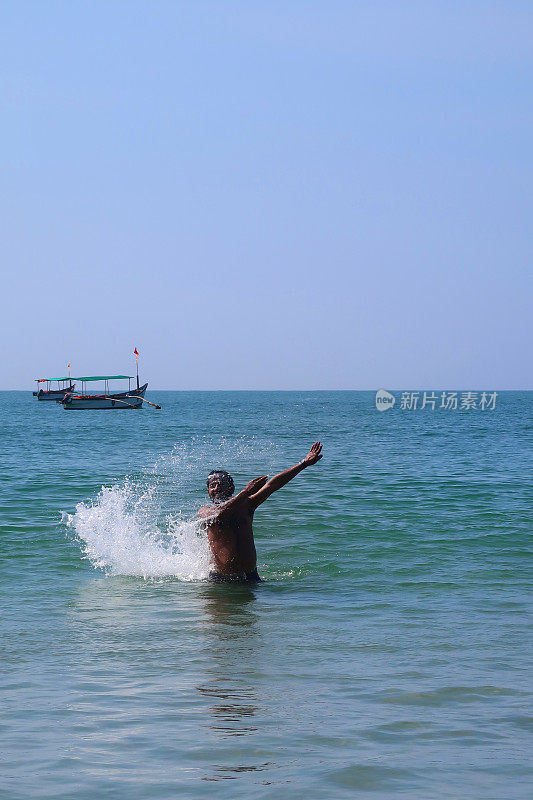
393 389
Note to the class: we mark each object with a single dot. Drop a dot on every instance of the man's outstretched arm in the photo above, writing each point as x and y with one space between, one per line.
287 475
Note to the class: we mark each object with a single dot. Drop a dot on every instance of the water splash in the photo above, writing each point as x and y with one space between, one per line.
119 533
131 529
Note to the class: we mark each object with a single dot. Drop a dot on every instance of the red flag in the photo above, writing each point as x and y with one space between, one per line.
136 353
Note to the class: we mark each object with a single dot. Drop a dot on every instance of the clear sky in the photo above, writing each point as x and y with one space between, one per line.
267 194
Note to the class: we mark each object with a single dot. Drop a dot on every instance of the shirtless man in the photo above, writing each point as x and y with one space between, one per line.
229 520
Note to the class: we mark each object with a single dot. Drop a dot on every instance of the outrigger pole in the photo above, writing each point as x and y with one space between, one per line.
116 400
136 397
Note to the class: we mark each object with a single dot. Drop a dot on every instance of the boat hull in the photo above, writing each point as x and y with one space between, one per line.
53 394
109 402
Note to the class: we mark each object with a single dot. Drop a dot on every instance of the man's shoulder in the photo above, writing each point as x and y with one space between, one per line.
206 511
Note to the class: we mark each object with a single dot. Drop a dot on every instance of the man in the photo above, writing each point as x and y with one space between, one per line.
229 520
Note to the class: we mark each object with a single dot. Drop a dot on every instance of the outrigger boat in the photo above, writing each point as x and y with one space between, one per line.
133 398
54 394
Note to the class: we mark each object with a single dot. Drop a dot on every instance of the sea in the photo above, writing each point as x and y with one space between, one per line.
386 654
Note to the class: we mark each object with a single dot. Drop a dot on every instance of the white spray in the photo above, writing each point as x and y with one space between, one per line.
119 533
128 529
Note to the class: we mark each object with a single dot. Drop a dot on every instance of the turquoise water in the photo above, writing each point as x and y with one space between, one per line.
386 654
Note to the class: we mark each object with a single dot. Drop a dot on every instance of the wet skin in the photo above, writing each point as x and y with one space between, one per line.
229 521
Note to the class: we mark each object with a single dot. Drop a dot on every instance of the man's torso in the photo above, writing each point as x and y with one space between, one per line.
232 542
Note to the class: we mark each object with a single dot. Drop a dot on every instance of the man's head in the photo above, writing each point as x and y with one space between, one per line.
220 485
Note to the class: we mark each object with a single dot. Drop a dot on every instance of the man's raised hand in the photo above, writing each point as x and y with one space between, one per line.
254 485
313 455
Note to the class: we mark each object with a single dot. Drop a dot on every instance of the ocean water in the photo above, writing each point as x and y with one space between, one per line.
385 655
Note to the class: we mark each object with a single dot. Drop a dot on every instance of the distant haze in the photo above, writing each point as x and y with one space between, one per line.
264 195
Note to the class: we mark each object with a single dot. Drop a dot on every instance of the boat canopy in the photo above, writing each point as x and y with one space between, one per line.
103 378
42 380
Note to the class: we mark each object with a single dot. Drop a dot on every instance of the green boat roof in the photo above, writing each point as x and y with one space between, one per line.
67 378
103 377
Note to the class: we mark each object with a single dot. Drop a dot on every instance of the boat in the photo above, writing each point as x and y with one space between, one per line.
54 394
132 398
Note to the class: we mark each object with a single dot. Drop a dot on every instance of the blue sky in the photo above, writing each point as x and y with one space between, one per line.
267 194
